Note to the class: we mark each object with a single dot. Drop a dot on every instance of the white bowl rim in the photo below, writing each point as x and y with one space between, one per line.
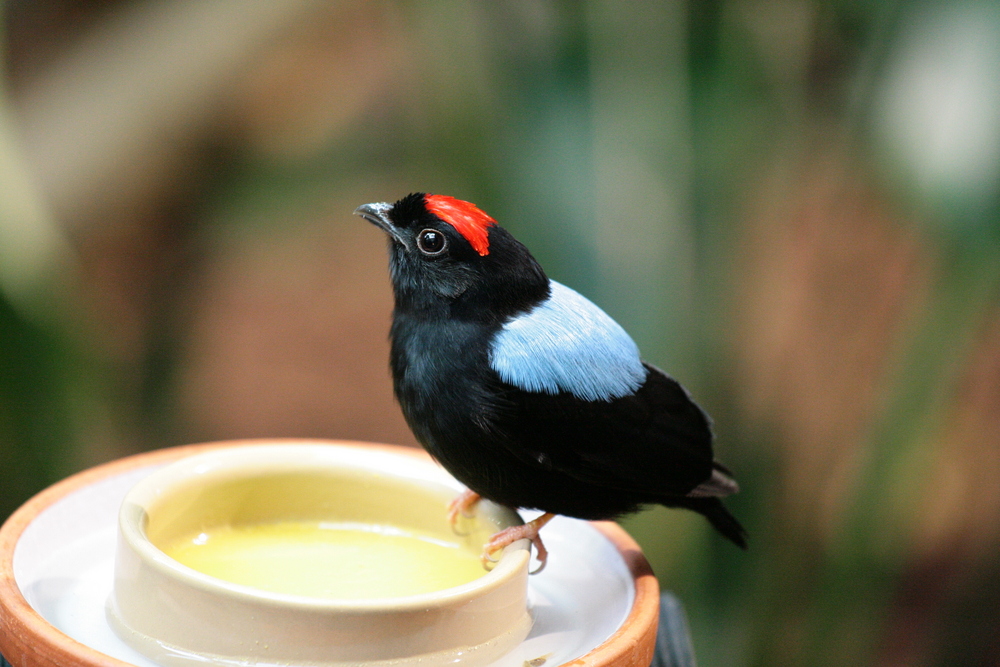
251 457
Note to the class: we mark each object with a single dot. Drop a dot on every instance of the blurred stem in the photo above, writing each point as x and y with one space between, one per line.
35 361
642 234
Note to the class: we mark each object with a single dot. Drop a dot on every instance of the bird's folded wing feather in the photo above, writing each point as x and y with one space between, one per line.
655 441
584 403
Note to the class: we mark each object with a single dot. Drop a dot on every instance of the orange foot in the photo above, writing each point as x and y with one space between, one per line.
510 535
462 505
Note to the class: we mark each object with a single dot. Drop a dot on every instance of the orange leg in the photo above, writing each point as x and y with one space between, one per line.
528 531
462 505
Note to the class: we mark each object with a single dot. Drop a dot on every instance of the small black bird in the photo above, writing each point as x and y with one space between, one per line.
528 393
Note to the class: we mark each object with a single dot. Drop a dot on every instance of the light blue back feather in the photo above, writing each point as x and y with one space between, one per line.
567 343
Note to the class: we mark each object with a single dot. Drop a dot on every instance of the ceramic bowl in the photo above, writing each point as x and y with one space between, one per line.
177 615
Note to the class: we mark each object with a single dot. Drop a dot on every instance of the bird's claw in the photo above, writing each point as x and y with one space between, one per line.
510 535
462 506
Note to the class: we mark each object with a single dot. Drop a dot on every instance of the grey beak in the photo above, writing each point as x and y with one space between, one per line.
377 214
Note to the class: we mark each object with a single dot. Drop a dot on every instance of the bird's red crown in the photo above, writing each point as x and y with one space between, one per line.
467 219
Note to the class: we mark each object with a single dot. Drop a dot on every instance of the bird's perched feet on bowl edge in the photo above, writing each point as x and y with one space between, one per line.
528 531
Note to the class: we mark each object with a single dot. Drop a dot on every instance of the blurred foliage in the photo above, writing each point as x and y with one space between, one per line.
793 206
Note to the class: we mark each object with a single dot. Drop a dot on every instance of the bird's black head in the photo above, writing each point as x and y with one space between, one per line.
448 258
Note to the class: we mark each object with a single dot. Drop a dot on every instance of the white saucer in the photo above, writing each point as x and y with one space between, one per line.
64 559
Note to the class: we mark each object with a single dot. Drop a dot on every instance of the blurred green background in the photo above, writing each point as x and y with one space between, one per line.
792 206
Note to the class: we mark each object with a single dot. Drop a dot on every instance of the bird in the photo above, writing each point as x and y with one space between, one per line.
527 392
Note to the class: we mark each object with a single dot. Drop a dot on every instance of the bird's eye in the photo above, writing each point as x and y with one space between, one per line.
431 242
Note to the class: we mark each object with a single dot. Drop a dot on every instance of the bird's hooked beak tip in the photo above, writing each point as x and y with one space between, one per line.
375 213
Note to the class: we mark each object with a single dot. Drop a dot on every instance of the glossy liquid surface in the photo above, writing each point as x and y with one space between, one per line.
329 560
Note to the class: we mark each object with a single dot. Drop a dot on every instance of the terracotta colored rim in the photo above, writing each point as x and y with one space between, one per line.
28 640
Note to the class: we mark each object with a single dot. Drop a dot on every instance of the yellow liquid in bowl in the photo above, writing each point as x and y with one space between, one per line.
329 560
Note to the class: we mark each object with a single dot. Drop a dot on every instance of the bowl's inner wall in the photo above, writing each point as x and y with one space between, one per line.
345 495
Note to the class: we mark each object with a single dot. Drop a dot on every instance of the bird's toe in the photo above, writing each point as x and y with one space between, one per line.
463 505
528 531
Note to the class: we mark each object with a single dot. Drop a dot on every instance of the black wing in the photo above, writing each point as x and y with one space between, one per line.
656 442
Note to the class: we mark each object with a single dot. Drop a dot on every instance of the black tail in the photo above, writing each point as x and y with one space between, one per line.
717 514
